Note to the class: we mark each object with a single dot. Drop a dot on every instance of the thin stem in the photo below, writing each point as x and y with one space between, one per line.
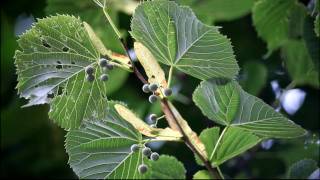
124 67
161 117
170 76
220 172
218 142
111 23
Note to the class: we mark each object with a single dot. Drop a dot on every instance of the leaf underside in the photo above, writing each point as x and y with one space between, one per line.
252 113
50 68
177 38
100 149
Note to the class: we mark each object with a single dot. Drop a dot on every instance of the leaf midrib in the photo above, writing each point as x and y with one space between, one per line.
190 46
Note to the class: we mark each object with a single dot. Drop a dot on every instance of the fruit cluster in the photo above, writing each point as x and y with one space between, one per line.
142 168
104 64
147 88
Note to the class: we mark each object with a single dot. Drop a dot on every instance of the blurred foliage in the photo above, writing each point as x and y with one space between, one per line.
32 146
302 169
219 10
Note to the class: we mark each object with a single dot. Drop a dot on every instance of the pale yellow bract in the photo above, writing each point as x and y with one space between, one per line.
151 66
160 134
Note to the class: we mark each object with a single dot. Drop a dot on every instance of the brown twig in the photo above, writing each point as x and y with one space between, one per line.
135 70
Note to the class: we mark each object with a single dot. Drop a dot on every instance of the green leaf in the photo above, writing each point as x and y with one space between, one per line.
100 149
255 77
311 41
88 11
166 167
252 114
202 174
270 19
219 103
54 55
296 21
219 10
299 64
302 169
234 141
177 38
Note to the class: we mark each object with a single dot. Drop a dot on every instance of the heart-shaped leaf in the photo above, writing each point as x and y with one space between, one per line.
252 113
177 38
100 149
52 64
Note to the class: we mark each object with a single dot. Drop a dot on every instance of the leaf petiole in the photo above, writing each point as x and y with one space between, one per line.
170 76
220 172
111 23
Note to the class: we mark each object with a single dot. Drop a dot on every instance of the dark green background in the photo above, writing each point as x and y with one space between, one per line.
32 146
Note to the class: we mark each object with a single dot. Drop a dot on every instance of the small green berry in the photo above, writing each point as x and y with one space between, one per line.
146 151
152 118
145 88
103 62
168 92
153 98
104 77
110 66
135 147
153 87
89 70
90 77
142 168
154 156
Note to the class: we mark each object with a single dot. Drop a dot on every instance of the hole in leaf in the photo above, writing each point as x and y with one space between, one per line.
59 66
65 49
60 90
45 44
50 96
